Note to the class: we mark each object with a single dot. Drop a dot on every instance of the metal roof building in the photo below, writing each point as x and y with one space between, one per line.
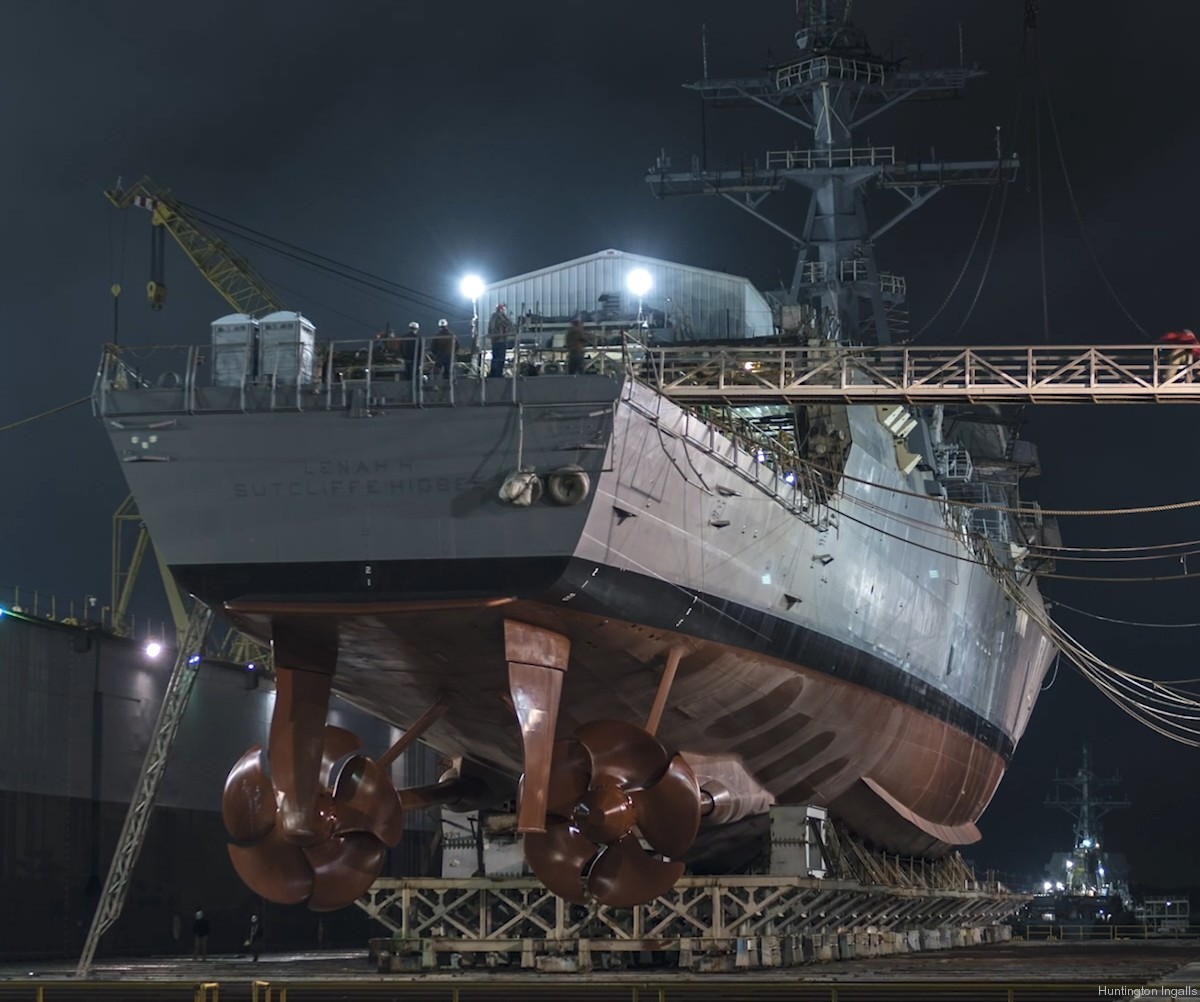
683 302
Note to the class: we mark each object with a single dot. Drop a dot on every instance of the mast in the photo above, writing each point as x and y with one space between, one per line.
832 84
1087 807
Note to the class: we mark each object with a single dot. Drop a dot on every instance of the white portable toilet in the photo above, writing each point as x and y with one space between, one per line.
234 349
286 347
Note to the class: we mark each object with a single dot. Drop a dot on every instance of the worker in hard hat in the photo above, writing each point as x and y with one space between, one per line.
1185 350
408 348
499 327
444 343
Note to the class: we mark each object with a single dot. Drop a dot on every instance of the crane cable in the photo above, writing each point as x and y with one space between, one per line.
320 261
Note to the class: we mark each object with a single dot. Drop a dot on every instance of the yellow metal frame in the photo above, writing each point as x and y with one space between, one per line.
232 276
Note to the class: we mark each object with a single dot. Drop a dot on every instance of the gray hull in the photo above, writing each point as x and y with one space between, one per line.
830 659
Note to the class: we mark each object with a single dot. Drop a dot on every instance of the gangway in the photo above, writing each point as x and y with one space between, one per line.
1045 374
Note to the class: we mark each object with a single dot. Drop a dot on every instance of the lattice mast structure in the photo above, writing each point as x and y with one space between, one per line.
1078 795
832 84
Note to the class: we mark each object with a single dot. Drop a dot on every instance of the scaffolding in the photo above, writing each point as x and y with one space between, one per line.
870 904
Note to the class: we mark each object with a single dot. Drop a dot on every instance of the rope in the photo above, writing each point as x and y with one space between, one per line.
987 506
952 534
1016 122
1126 622
963 271
1041 208
987 262
38 417
1062 160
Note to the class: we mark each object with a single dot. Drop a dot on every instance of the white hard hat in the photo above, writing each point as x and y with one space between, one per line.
414 326
443 323
199 915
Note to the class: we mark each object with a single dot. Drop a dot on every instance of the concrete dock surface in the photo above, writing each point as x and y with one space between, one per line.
1008 972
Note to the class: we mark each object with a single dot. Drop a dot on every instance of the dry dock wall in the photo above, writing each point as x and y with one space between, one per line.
76 711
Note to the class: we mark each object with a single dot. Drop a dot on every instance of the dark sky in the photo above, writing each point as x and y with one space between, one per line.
420 140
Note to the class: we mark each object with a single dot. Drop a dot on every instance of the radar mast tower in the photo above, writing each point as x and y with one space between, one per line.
830 85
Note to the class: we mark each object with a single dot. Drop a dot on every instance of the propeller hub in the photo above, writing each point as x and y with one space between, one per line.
605 814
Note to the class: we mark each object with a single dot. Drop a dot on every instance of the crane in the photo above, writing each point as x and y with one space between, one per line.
233 277
247 292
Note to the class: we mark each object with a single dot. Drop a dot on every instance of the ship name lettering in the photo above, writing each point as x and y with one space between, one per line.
354 467
352 487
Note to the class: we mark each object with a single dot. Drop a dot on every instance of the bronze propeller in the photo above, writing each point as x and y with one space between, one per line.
609 785
358 814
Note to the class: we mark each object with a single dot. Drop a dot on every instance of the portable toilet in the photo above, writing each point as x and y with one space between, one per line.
235 349
286 347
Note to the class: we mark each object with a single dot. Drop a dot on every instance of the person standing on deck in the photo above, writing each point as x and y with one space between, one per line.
577 342
499 327
444 344
408 348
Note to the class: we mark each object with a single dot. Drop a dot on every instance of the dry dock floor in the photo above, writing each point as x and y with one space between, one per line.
1008 972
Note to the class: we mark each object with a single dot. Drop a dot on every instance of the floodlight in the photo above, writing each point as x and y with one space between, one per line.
153 649
639 281
472 286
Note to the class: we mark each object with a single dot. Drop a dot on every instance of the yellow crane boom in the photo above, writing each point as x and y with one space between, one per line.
232 276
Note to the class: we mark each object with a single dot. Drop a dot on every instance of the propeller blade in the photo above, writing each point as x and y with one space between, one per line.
625 875
344 867
569 771
340 746
668 813
622 754
364 800
274 869
559 857
248 803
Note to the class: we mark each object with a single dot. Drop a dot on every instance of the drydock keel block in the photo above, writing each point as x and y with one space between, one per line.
707 923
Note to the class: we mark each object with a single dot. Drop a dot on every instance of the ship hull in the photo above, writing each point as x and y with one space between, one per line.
827 662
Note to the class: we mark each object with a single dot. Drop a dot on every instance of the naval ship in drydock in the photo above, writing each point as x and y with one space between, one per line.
640 622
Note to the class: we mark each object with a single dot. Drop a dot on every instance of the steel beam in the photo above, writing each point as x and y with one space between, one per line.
141 806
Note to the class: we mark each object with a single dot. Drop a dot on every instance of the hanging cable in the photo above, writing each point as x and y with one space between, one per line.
1125 622
1041 207
1016 122
1087 243
1054 677
38 417
989 506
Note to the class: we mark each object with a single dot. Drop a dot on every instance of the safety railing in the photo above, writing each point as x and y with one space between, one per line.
865 156
1106 931
339 374
825 67
175 379
85 609
851 270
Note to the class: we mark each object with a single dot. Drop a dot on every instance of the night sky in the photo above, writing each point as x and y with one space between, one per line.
423 140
